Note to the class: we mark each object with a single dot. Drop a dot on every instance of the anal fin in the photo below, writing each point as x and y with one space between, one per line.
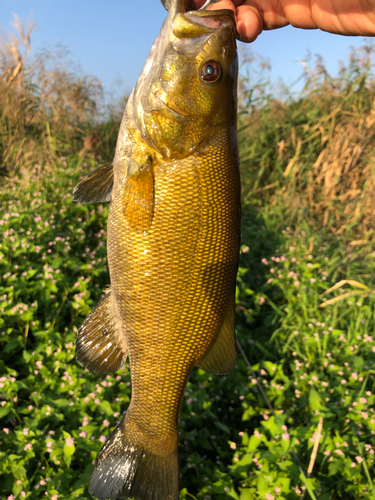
222 356
98 347
95 187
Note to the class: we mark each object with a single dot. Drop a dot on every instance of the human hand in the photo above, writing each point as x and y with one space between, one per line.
344 17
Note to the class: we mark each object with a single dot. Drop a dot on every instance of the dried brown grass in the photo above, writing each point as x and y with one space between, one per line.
46 108
318 152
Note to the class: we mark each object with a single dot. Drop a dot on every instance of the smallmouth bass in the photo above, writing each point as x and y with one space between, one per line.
173 246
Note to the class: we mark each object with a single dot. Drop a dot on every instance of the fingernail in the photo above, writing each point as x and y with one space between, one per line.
241 32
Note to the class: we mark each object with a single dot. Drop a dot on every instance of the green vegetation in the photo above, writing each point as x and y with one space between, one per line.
307 225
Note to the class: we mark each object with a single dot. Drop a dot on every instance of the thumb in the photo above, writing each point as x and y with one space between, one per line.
249 22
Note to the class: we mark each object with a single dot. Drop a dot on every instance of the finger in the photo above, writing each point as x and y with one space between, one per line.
249 25
254 16
249 22
222 4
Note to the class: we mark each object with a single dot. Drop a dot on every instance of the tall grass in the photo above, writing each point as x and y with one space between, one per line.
48 108
315 153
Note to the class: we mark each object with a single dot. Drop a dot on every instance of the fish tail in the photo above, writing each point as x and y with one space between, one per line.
124 470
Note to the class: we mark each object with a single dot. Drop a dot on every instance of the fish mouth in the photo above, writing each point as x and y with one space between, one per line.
172 107
212 19
196 27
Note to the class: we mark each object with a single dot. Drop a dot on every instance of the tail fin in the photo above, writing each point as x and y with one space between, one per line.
123 470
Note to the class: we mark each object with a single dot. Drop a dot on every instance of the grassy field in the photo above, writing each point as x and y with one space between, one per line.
305 312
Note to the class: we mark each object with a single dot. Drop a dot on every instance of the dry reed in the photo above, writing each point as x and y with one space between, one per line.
317 152
46 108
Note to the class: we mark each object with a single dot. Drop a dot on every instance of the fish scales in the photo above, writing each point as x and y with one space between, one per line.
173 246
177 305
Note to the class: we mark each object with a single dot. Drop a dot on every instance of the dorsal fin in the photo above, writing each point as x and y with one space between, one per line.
98 347
95 187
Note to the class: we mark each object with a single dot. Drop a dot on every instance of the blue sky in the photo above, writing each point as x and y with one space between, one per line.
111 39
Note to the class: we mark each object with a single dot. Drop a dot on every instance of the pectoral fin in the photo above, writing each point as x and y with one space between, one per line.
98 347
96 187
139 197
222 356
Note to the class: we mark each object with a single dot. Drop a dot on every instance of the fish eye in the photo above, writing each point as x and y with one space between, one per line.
210 71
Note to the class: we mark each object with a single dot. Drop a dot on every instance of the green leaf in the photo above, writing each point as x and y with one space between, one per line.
106 408
253 443
19 472
247 494
56 452
314 400
4 410
270 367
69 450
334 467
12 345
307 483
26 356
61 403
66 435
247 459
223 427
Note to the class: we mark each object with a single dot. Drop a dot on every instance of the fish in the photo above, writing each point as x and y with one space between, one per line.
173 246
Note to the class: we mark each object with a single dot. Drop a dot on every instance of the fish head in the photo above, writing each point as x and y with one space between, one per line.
189 83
